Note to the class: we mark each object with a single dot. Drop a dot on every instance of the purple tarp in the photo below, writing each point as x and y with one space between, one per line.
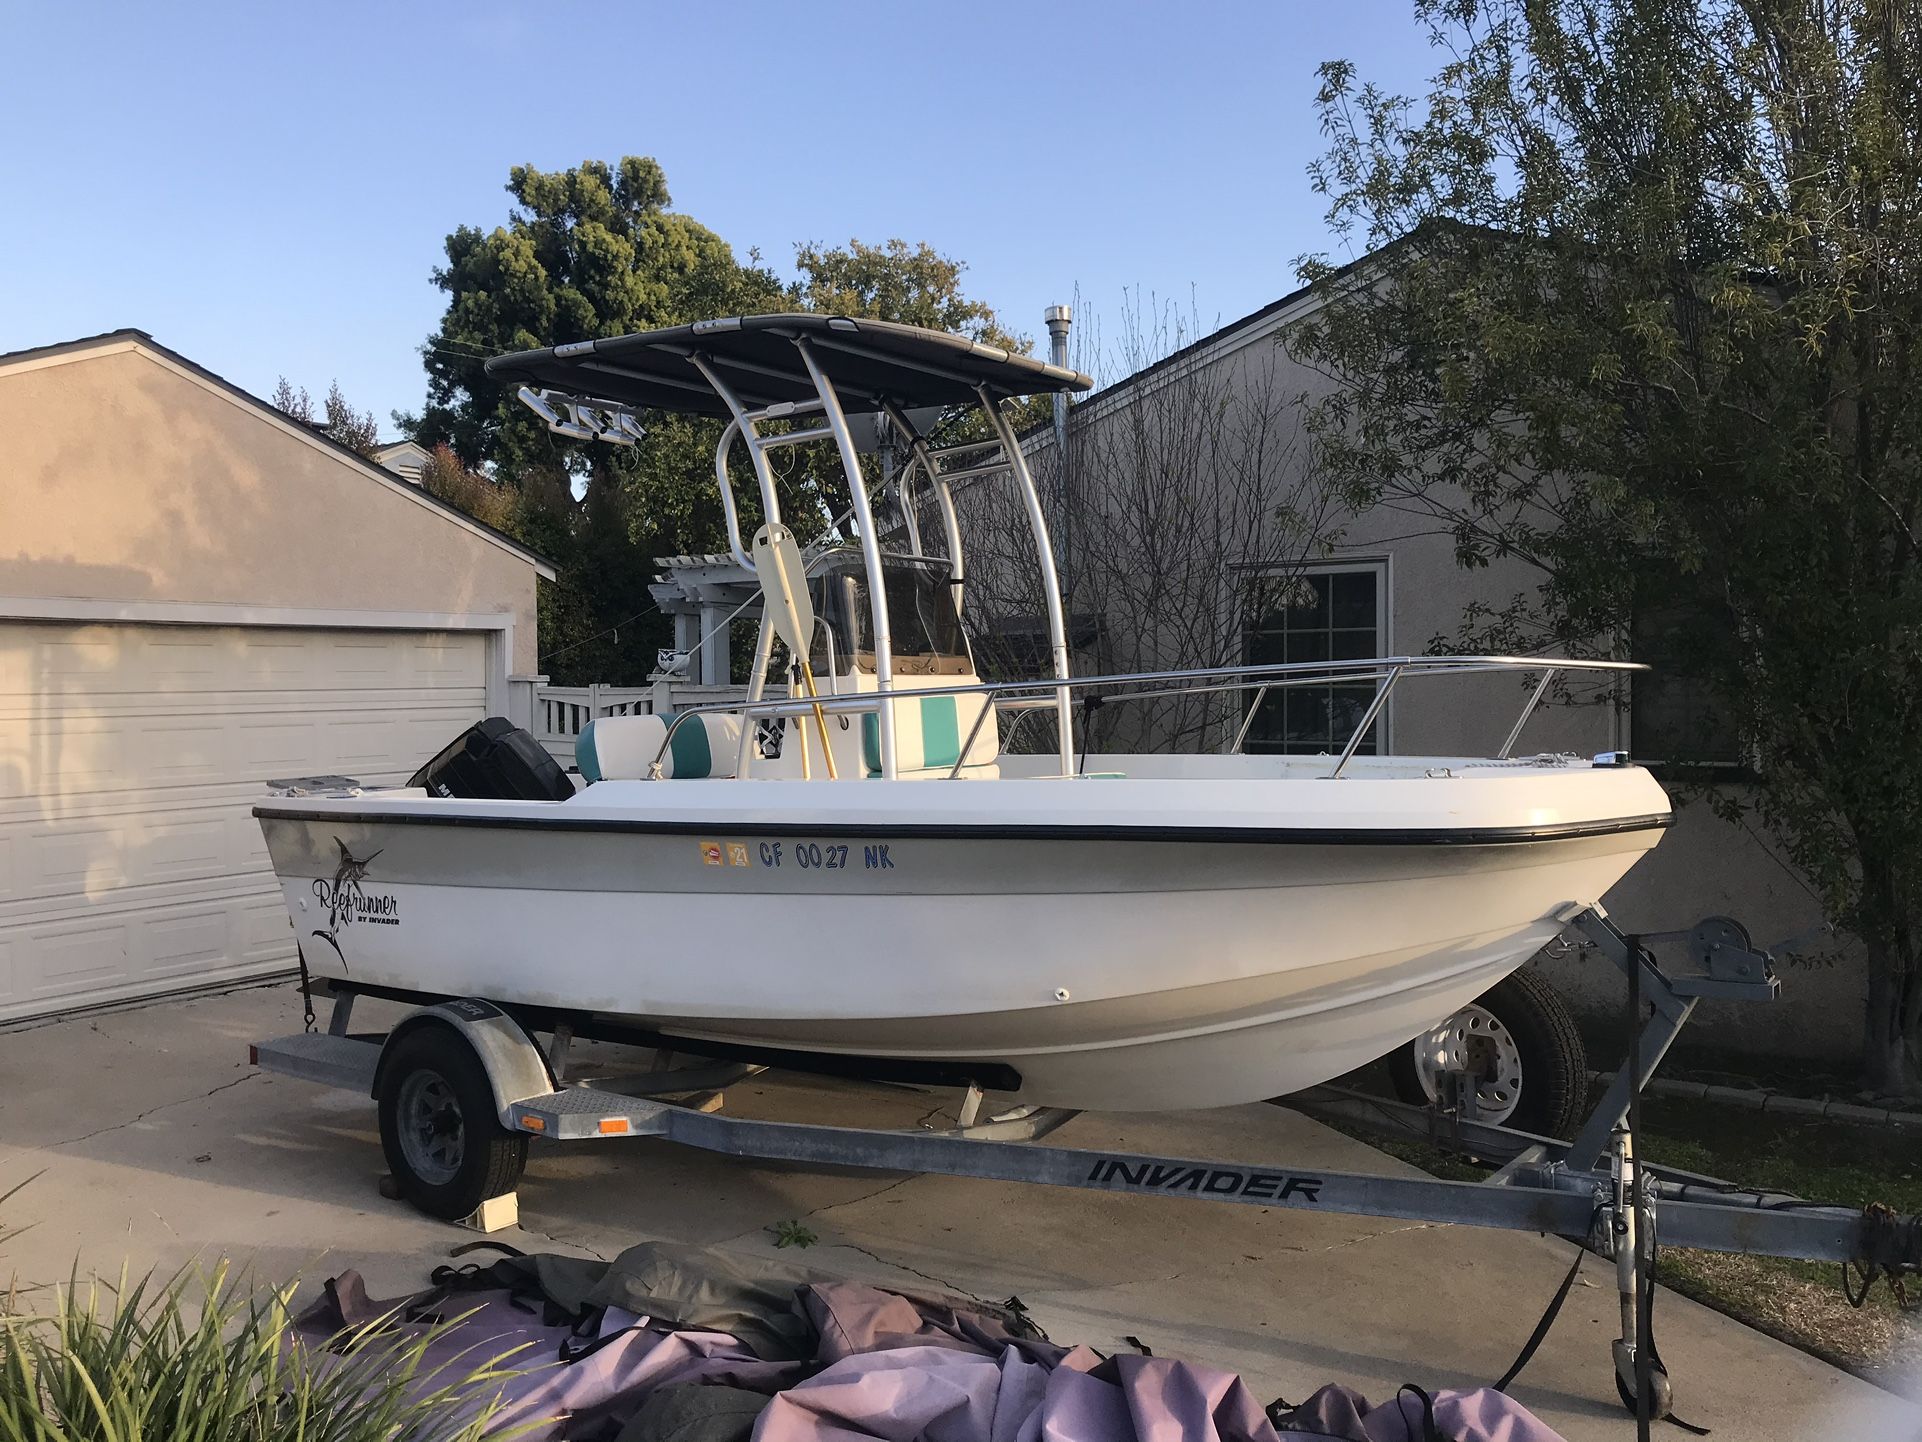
885 1366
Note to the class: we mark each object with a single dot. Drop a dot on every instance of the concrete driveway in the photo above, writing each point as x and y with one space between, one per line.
155 1143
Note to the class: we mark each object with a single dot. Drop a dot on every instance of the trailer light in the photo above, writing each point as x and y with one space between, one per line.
533 1124
613 1126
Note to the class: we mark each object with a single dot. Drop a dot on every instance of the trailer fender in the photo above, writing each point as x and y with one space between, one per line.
516 1067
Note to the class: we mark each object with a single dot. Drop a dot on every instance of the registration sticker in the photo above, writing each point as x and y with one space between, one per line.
711 853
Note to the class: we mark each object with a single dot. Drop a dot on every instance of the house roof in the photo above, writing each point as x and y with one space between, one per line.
1213 338
1228 337
130 336
1232 336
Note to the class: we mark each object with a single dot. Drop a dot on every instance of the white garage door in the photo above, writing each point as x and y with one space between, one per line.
130 757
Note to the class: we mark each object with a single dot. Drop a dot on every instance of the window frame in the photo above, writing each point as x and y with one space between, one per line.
1381 567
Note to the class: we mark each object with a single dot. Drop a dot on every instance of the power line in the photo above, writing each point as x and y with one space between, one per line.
461 352
611 630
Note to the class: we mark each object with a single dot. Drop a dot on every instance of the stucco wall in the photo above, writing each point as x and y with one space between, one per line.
123 479
1707 866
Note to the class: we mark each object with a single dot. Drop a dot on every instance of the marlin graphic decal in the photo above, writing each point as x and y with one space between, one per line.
345 900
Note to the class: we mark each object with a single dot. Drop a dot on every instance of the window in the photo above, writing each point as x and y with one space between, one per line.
925 633
1675 718
1332 614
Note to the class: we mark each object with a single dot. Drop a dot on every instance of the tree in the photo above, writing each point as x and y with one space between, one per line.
339 421
588 252
485 499
596 251
1184 507
295 403
356 430
1646 320
911 284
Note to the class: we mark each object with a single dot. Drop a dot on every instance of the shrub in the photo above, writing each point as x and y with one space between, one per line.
199 1358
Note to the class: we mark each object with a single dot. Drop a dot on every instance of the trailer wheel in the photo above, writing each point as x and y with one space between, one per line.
1518 1039
443 1140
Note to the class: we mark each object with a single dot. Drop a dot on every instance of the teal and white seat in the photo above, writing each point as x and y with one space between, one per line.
623 748
929 734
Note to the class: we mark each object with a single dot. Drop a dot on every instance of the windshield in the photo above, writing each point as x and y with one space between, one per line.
926 631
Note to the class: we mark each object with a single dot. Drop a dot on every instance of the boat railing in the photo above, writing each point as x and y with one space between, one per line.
1022 697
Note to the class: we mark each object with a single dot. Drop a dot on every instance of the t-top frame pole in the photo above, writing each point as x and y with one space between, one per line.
1050 579
870 552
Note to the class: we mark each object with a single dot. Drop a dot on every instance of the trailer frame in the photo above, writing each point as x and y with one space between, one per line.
1590 1190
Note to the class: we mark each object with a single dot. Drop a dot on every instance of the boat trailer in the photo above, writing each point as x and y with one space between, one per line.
1591 1190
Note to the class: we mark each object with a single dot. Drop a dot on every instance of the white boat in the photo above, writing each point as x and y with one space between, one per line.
868 880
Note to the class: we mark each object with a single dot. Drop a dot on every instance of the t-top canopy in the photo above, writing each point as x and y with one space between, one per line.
868 361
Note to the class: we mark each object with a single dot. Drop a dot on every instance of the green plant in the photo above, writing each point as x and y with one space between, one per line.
793 1234
199 1358
7 1233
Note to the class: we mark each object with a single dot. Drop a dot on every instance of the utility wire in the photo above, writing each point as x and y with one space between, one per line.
611 630
691 650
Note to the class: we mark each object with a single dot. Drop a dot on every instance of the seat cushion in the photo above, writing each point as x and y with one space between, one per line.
929 732
623 748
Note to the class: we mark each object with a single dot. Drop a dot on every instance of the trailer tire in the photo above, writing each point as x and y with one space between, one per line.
439 1130
1531 1055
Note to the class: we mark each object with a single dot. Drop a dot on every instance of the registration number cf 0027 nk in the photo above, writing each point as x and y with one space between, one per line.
800 855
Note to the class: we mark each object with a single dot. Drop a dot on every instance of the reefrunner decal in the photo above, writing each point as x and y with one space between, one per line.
346 900
1134 1174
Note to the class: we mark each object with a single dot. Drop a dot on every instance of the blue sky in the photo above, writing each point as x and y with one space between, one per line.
265 187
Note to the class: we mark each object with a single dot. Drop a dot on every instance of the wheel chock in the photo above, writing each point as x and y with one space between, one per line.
496 1214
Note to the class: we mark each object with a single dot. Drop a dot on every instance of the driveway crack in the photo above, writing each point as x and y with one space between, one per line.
560 1241
829 1207
866 1196
845 1202
1373 1236
139 1117
941 1282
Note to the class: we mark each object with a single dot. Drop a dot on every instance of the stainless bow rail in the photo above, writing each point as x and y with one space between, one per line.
1022 697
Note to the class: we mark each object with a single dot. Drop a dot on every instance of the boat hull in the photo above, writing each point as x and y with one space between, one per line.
1110 971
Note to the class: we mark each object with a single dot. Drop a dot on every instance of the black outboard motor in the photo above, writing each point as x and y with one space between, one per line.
495 760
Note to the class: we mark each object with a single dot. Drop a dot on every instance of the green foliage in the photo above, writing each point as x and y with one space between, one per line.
792 1233
596 251
293 402
356 430
589 252
912 284
1647 320
482 497
338 421
200 1359
7 1233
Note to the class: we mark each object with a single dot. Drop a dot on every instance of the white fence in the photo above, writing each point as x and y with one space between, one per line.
558 714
